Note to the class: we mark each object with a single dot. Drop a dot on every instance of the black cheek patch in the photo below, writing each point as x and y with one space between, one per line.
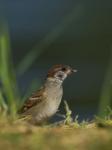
60 76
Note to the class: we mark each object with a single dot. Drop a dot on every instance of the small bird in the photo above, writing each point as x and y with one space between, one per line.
45 102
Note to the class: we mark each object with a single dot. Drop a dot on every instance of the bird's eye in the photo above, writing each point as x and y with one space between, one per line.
63 69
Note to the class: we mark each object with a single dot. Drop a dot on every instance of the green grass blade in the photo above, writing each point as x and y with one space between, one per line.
7 73
106 92
3 105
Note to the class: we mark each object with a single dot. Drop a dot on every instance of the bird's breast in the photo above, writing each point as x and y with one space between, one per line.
53 101
49 105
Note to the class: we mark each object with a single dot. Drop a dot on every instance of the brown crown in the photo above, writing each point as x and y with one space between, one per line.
56 68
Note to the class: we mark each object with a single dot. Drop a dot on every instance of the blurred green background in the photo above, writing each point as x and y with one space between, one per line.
43 33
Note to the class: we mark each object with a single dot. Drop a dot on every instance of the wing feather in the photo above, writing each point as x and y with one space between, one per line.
33 100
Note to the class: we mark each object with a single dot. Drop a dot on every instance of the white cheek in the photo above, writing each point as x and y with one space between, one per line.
65 75
62 74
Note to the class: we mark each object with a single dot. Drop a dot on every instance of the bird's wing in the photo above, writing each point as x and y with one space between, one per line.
33 100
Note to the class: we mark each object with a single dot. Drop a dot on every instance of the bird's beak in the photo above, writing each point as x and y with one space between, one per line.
73 70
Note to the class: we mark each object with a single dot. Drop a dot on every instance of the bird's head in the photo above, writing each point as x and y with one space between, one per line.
60 72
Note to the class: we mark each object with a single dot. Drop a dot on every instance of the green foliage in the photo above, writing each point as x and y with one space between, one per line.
7 75
3 105
9 92
106 121
68 117
106 91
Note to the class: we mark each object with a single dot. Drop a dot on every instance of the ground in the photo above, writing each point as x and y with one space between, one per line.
16 135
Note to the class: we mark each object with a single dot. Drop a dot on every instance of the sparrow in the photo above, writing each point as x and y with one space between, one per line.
44 103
